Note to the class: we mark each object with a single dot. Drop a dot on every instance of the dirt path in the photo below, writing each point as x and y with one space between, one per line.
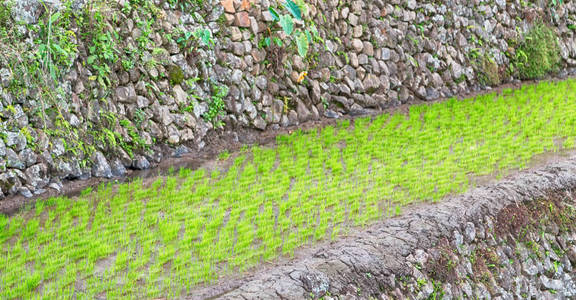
366 258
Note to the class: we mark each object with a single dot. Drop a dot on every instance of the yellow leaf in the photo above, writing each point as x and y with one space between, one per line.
302 76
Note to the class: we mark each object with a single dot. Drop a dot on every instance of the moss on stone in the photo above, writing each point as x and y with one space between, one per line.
488 71
539 53
175 75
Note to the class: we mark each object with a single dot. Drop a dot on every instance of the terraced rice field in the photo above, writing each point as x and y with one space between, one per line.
139 241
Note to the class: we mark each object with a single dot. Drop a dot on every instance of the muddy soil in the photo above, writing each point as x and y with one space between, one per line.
367 258
217 142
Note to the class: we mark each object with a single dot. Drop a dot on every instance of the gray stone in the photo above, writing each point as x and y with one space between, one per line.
357 31
140 163
458 239
277 110
126 94
432 94
5 77
2 148
298 63
469 232
200 109
173 135
344 12
142 102
9 182
261 82
24 191
56 185
28 157
362 59
15 140
371 83
353 20
368 49
467 289
331 114
358 45
482 292
58 148
180 150
165 117
13 160
100 166
260 123
529 268
36 176
238 48
236 76
303 112
235 33
117 168
457 70
354 62
74 121
249 108
551 284
385 54
29 11
180 95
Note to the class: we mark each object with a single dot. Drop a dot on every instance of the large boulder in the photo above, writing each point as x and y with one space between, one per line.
30 11
100 166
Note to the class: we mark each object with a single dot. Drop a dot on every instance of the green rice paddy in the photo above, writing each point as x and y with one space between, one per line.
137 240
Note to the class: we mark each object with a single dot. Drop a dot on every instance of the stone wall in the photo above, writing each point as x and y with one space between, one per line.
512 240
162 93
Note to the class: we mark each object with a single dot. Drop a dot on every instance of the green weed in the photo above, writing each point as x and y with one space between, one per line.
538 54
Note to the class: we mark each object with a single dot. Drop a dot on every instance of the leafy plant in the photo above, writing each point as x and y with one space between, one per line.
216 105
538 54
204 35
191 40
102 49
487 70
56 46
302 38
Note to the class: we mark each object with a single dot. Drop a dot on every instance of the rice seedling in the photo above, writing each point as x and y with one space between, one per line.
137 240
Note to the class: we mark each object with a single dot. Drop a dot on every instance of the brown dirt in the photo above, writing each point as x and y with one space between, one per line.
444 262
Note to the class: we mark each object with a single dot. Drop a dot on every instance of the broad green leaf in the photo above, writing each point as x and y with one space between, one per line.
274 14
294 9
54 18
309 36
287 24
267 42
278 42
302 43
314 31
57 48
